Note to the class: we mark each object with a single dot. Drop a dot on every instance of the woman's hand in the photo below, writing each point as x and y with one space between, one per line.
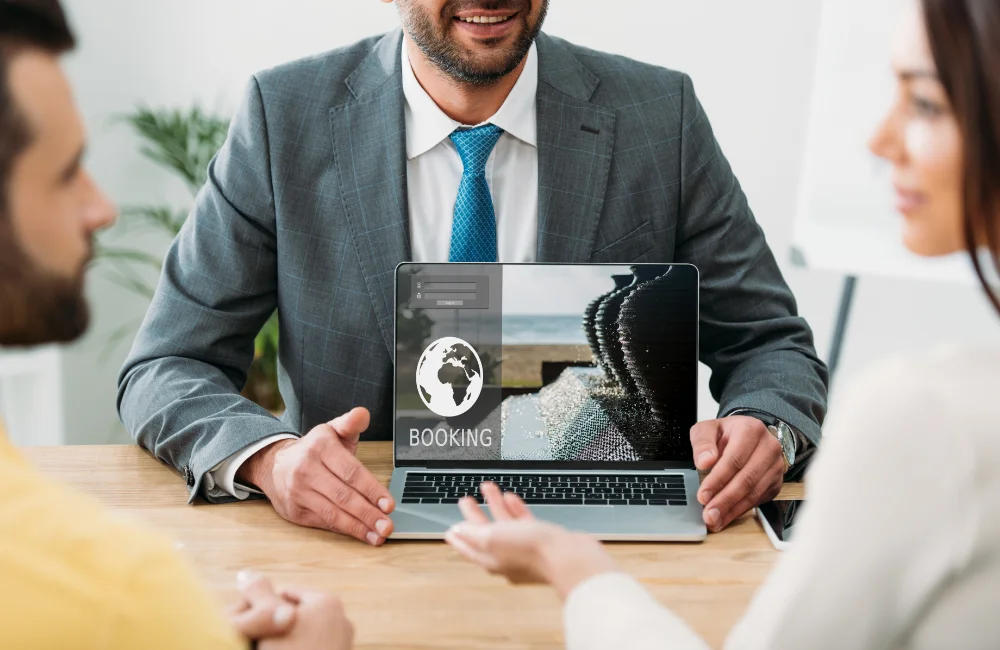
523 549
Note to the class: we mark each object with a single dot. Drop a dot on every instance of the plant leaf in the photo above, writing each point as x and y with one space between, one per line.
182 141
130 281
127 254
167 219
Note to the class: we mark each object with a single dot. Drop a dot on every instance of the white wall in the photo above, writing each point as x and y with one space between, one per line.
752 63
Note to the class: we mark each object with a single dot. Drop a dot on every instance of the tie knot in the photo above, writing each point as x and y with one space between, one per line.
476 145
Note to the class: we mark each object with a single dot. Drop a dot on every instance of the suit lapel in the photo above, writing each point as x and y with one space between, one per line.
575 142
370 156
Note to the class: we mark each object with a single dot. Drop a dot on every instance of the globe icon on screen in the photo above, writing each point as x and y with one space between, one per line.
449 377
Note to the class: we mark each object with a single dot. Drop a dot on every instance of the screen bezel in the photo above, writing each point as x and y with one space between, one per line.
536 464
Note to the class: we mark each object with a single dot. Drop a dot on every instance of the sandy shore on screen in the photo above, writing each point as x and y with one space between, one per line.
522 364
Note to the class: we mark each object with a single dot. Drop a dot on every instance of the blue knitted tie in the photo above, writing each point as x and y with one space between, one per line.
474 231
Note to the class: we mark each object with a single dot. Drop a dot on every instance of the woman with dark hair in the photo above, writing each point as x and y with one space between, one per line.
899 546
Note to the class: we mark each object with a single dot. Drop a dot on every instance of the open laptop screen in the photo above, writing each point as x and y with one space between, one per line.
545 363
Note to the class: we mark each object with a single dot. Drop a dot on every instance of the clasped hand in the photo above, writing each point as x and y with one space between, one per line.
289 619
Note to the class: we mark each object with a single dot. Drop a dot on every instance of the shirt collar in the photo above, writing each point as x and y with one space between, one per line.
427 125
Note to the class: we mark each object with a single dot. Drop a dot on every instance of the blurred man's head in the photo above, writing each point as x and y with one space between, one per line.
475 42
49 206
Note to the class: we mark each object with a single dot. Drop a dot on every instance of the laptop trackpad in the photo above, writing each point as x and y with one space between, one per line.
595 520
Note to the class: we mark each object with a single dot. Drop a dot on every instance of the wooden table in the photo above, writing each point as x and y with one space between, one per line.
406 594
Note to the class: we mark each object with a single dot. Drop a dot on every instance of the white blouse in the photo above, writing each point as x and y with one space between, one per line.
899 546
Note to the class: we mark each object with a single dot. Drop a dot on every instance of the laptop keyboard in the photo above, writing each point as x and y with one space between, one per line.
549 489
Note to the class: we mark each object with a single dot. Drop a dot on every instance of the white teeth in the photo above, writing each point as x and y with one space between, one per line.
486 20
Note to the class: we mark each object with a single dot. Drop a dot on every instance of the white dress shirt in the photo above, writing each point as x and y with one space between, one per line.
899 546
434 172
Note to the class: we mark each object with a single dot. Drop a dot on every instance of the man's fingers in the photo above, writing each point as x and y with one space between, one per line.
329 516
291 595
748 502
739 449
254 586
751 485
263 613
352 471
494 499
265 621
350 500
753 479
704 443
470 509
238 607
723 441
350 426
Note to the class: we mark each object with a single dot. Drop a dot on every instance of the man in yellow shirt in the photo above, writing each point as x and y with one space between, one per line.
72 575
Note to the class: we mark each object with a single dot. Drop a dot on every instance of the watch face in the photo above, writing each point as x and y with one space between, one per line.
787 442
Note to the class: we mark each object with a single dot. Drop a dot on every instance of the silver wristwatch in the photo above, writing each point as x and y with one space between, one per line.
779 430
786 437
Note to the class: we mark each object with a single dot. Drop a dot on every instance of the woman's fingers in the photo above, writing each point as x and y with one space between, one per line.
516 506
470 546
472 512
512 548
494 499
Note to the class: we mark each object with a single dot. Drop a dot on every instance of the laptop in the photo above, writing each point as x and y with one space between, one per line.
573 385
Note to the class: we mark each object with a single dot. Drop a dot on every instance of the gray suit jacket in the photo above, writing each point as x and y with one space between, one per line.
305 212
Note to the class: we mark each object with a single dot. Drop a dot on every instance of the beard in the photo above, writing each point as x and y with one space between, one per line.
36 306
434 39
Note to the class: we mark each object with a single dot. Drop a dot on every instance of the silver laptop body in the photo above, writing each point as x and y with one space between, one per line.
573 385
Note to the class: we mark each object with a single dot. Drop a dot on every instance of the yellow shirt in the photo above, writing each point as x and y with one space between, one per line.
72 575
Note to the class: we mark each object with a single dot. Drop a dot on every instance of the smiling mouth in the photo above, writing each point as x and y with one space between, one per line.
909 201
485 20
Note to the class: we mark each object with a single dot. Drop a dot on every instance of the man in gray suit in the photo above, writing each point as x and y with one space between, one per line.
340 166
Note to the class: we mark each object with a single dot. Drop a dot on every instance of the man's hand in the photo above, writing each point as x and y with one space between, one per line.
747 467
320 623
261 613
290 619
316 481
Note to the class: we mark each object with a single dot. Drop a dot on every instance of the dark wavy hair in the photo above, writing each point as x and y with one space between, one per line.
964 38
24 24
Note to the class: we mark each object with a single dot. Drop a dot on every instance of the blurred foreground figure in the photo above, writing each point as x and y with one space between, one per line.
73 575
899 546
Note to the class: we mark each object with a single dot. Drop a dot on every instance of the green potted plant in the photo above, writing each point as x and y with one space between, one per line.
183 142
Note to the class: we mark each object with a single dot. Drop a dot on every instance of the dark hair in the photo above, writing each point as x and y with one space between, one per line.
24 24
964 38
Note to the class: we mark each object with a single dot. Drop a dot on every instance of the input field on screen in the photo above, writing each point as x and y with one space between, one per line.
448 286
448 290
